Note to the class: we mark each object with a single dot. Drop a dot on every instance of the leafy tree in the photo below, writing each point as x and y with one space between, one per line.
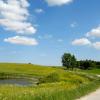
68 60
73 62
97 64
87 64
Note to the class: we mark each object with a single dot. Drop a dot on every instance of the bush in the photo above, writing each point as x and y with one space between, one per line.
53 77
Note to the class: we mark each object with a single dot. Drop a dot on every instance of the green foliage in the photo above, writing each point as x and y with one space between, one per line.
26 69
44 93
93 71
68 60
57 84
53 77
87 64
72 94
97 64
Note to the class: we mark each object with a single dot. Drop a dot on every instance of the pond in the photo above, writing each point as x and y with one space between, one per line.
20 82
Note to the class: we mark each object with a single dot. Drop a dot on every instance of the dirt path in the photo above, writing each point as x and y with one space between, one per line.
93 96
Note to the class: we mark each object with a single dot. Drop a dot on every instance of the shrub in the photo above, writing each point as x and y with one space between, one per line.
53 77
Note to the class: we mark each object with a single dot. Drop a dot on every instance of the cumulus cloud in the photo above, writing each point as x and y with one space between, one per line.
14 16
21 40
81 42
58 2
94 32
39 10
85 41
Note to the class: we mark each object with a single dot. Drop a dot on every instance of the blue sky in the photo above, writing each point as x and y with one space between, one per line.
40 31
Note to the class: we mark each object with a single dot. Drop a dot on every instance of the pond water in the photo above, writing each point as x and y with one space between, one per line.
20 82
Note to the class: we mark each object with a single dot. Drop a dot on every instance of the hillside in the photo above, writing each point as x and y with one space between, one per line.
54 83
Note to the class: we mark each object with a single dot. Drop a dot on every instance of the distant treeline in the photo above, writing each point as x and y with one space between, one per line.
69 61
88 64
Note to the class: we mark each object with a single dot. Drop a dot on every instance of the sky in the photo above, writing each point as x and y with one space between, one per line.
41 31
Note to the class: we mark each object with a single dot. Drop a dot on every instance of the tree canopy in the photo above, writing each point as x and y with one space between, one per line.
68 60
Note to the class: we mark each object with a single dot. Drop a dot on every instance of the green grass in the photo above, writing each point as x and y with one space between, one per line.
70 94
93 71
55 83
26 69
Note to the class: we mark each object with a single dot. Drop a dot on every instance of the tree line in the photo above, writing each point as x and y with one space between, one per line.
69 61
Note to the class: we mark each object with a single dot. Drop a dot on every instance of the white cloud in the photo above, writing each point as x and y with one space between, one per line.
21 40
14 16
96 45
81 42
94 32
58 2
39 10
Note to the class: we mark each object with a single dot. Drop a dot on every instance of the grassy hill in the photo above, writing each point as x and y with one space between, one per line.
54 83
27 69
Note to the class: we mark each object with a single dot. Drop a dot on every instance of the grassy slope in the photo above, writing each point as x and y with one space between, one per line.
27 69
71 85
94 71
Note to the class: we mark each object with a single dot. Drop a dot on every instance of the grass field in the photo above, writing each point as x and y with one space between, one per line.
55 83
94 71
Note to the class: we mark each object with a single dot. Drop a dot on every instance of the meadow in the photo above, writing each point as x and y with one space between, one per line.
54 83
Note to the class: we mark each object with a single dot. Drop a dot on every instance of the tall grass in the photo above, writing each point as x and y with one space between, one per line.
65 94
55 83
31 93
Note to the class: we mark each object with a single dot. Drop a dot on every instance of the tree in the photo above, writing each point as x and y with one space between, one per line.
68 60
87 64
73 62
